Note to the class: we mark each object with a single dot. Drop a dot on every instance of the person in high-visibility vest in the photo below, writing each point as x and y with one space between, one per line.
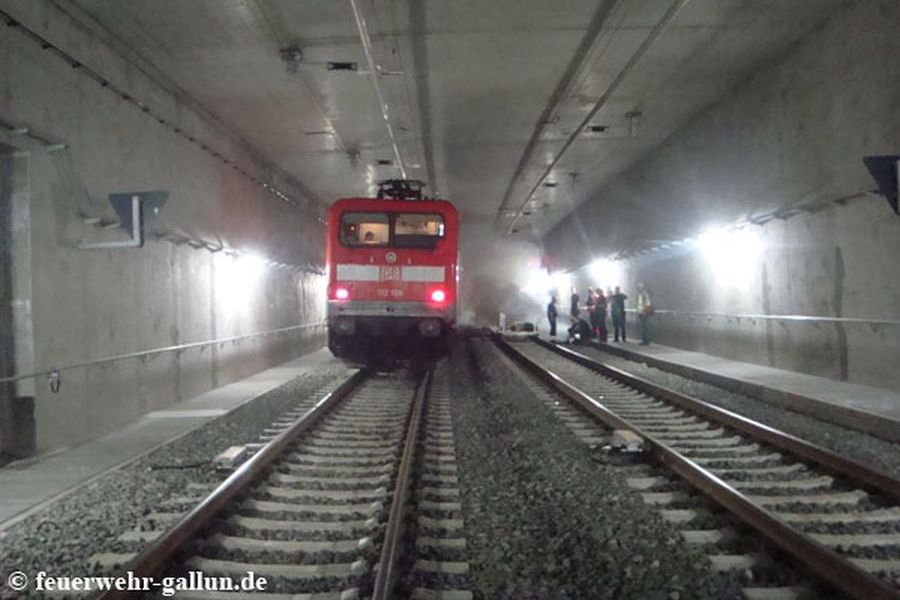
644 307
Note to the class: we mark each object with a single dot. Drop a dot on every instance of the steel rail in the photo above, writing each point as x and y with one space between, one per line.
392 547
845 416
819 559
153 560
867 477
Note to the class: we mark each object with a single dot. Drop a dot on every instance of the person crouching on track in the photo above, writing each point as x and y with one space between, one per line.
579 332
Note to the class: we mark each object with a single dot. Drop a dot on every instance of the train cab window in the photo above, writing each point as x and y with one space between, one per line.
417 230
365 229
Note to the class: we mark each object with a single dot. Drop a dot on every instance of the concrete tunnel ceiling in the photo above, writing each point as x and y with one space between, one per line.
483 95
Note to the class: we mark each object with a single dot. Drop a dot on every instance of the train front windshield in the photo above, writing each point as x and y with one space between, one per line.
393 230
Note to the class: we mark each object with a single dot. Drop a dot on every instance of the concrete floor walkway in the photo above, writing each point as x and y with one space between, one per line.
866 408
28 485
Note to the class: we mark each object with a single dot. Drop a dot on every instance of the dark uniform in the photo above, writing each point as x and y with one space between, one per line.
618 315
551 316
590 307
599 317
579 332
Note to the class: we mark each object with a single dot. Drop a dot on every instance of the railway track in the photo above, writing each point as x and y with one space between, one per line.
837 520
440 569
323 507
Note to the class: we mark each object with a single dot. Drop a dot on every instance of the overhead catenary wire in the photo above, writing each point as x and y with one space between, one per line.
373 76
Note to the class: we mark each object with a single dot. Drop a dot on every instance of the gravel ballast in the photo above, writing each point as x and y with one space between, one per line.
864 448
544 519
62 538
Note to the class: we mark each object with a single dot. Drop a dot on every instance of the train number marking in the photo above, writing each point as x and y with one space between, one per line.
390 274
389 293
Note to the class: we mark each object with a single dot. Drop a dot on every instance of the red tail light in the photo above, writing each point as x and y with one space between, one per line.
341 293
438 296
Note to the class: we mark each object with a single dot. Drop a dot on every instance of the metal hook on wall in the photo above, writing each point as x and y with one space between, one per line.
54 379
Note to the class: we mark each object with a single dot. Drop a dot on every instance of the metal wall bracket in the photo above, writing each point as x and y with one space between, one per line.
885 170
136 212
137 231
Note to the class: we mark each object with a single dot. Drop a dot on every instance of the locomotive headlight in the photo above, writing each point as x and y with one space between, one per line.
438 296
341 293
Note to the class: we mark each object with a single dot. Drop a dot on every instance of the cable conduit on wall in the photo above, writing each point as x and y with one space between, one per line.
798 318
53 373
73 62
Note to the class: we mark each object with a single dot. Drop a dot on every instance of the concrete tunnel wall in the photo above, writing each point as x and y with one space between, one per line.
87 304
794 133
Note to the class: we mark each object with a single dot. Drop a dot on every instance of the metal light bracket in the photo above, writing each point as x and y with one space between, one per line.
136 212
885 170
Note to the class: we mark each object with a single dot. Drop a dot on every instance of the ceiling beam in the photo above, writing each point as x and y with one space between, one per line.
374 75
563 90
418 24
629 66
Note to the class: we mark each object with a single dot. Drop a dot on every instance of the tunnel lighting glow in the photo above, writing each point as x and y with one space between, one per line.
540 284
606 273
732 254
341 293
250 266
237 281
561 282
536 280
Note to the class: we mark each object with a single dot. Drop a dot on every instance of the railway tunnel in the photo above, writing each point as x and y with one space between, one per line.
166 173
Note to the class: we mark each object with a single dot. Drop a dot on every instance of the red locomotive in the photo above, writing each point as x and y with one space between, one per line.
392 269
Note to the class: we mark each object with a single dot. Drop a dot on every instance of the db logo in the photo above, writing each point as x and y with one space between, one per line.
391 257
